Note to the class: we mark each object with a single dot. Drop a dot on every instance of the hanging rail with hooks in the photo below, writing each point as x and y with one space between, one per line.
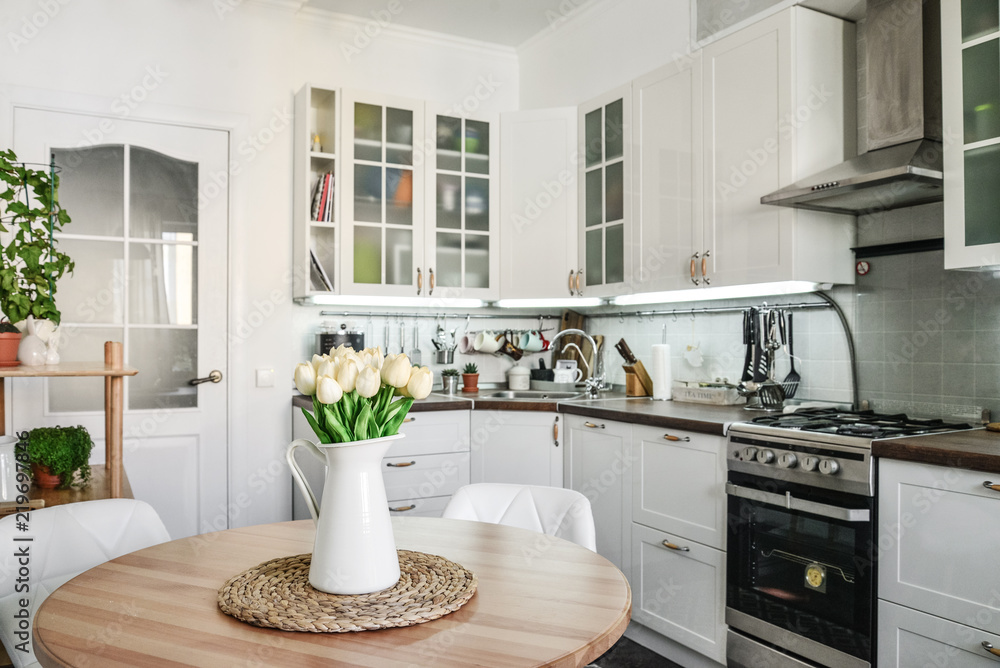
708 309
437 316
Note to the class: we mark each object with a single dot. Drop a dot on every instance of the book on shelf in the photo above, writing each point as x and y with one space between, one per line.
322 199
320 280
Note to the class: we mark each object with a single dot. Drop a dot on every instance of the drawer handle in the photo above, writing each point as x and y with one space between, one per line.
409 419
669 545
990 648
591 425
671 437
400 464
991 485
555 432
403 509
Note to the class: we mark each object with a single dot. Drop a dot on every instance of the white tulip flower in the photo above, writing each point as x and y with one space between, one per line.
347 374
326 368
305 378
328 391
369 382
396 370
420 382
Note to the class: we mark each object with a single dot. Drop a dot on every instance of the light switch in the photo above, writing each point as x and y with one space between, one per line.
265 377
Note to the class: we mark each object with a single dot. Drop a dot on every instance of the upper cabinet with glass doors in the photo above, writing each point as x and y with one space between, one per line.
605 207
462 239
383 203
316 193
970 53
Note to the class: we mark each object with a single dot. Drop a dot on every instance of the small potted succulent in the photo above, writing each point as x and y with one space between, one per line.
57 454
449 381
470 378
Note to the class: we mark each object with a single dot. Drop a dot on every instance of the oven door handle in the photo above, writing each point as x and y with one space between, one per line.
791 503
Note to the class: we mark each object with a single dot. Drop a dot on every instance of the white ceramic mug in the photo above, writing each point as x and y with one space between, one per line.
568 375
531 342
565 364
466 343
488 342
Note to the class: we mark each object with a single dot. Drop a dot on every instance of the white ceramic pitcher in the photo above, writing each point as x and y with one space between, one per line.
8 468
354 551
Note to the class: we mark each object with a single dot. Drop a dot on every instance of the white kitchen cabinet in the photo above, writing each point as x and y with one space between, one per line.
538 204
597 462
939 529
908 638
666 158
680 484
382 195
316 237
462 244
970 53
421 471
604 177
517 447
678 590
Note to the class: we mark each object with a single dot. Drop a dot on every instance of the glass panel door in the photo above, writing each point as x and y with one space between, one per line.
604 194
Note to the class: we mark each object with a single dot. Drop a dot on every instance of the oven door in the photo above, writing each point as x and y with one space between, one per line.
800 567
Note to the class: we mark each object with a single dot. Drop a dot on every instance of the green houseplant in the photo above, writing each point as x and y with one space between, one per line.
30 263
449 381
470 378
57 453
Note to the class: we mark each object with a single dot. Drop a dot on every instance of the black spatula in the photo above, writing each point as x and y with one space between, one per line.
791 382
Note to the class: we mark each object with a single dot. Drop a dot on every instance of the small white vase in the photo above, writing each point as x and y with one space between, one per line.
354 551
33 350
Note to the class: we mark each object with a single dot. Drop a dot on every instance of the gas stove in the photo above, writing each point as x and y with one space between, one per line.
822 447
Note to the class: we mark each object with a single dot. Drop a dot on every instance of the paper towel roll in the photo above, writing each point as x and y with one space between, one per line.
660 372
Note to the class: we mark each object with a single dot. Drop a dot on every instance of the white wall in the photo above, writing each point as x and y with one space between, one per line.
244 64
596 48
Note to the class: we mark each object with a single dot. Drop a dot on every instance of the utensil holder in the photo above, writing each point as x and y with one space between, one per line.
446 356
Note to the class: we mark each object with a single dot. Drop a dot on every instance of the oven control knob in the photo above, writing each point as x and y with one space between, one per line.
765 456
787 460
810 463
749 454
829 467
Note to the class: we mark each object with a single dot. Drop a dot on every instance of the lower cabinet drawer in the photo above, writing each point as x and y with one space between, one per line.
429 507
424 476
908 639
680 592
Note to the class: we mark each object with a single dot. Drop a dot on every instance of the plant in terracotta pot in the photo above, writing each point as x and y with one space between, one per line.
30 219
57 454
10 339
470 378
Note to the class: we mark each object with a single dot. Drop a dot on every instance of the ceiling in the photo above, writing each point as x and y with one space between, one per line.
504 22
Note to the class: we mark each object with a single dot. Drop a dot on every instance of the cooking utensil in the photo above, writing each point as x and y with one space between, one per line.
402 337
625 351
761 356
386 335
791 382
415 351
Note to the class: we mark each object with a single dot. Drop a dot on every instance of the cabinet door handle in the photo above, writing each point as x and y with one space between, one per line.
694 261
990 648
671 437
579 275
571 272
430 272
409 419
704 267
992 485
403 509
591 425
555 432
420 281
400 464
667 544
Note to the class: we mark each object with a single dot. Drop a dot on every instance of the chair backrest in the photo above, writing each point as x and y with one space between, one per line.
64 542
555 511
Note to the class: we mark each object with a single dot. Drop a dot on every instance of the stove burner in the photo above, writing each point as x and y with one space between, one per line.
865 424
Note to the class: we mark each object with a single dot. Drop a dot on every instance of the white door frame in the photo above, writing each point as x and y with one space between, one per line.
12 97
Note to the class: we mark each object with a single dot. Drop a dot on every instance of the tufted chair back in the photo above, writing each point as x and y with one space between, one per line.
555 511
66 541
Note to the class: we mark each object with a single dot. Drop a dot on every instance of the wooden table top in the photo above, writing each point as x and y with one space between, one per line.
540 601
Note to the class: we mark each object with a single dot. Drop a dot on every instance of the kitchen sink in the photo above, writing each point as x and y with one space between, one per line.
540 395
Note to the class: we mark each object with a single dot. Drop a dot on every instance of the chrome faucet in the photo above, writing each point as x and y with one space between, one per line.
595 382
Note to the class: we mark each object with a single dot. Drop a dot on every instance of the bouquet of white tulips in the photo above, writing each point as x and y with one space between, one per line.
353 392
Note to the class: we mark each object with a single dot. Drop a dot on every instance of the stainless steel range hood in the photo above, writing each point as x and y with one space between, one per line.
903 166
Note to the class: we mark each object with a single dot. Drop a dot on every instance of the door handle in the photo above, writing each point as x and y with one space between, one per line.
694 260
420 281
430 273
214 376
678 548
789 502
400 464
671 437
555 431
591 425
403 509
704 267
571 272
990 648
991 485
579 290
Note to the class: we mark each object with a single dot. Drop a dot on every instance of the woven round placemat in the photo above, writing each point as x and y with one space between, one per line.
276 594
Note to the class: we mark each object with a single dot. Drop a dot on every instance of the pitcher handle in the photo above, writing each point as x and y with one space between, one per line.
300 479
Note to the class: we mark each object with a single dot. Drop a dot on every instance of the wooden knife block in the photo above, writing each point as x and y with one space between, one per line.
637 381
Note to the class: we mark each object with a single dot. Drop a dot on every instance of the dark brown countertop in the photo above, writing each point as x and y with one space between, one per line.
977 450
701 418
434 402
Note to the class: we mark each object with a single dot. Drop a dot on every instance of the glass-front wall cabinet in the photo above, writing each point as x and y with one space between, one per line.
604 199
383 180
971 95
462 244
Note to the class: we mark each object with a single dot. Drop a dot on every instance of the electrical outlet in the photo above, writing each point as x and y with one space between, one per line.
265 377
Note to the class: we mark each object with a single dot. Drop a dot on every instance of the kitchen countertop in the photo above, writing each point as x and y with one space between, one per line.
977 450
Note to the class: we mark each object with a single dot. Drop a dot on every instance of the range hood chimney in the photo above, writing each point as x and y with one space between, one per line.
903 166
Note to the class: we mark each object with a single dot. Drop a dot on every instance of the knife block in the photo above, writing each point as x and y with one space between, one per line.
637 381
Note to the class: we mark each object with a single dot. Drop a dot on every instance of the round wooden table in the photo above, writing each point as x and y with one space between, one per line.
540 601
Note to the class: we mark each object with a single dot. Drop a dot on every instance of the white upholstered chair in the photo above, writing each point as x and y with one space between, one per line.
555 511
66 541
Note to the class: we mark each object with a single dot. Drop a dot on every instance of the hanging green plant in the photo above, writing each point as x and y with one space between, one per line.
30 218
